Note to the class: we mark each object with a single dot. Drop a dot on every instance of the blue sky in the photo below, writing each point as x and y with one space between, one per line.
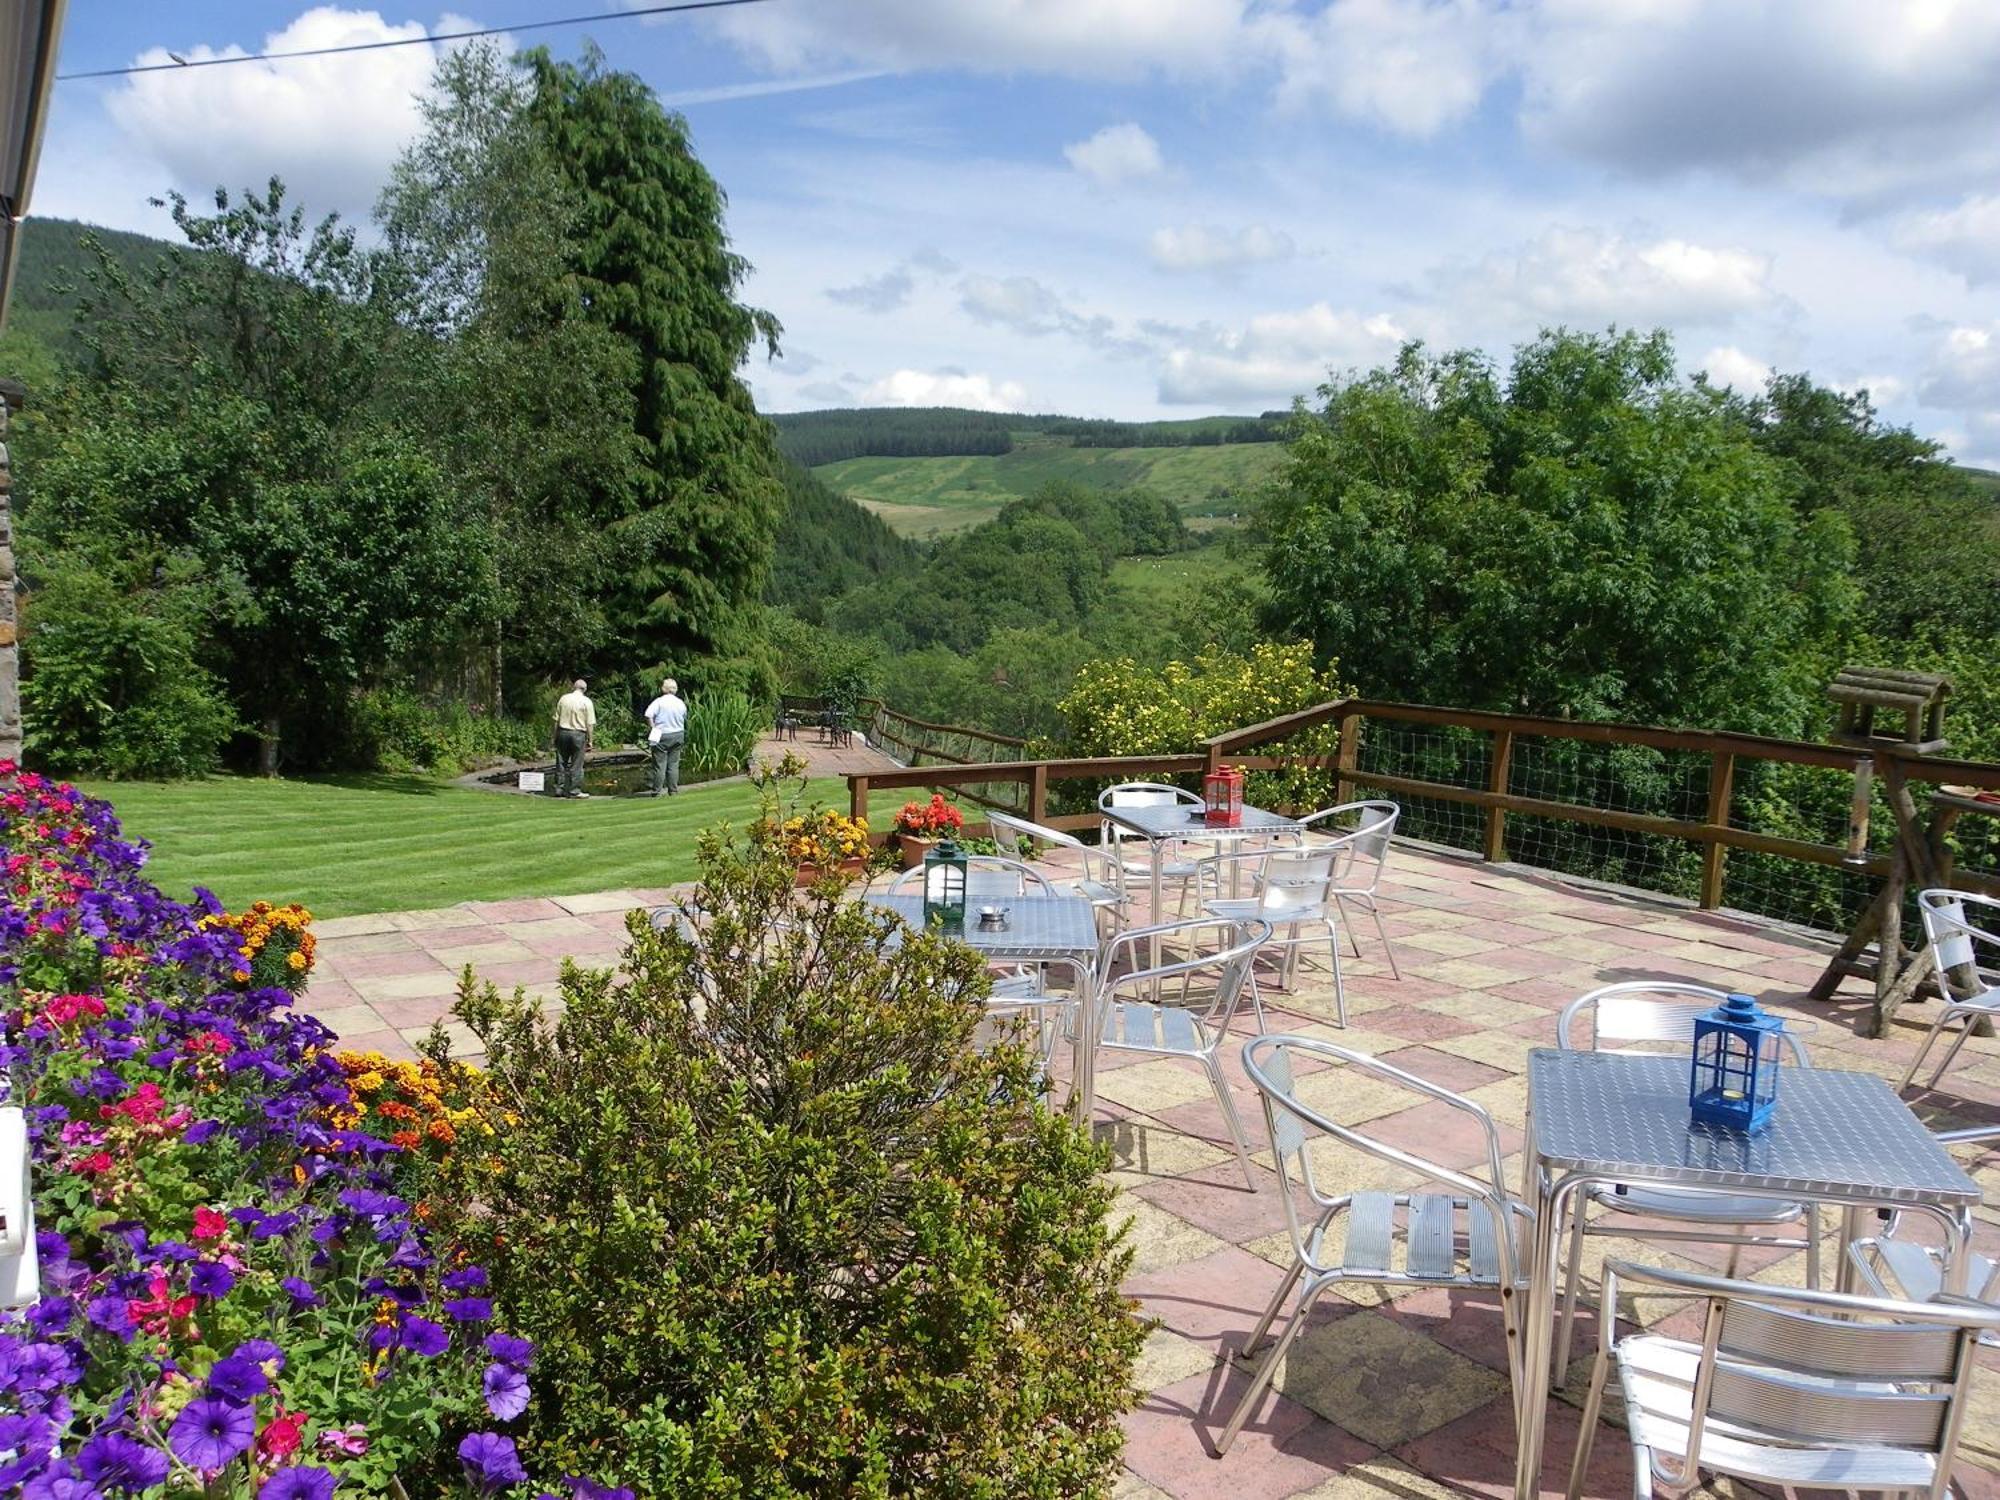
1138 208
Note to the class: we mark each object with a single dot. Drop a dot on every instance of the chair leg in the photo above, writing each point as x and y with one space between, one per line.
1339 990
1964 1036
1736 1254
1586 1436
1944 1016
1812 1247
1229 1117
1256 1000
1249 1347
1387 947
1572 1274
1262 1377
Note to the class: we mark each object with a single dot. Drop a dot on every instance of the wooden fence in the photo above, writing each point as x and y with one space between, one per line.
1714 835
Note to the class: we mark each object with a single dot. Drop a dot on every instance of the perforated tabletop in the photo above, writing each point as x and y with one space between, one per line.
1181 820
1039 926
1834 1134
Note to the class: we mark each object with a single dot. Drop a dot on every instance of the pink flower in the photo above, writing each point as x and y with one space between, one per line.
208 1224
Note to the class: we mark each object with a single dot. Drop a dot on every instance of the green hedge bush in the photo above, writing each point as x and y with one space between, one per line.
777 1229
389 729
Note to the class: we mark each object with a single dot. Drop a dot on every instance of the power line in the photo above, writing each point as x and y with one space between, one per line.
181 64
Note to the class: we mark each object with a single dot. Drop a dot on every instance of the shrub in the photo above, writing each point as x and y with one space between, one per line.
390 729
778 1229
274 945
113 686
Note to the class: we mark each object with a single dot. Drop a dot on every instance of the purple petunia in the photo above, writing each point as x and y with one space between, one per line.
588 1489
509 1350
114 1316
466 1279
506 1391
306 1482
470 1310
210 1431
114 1460
211 1279
238 1379
300 1292
263 1351
422 1336
60 1484
491 1461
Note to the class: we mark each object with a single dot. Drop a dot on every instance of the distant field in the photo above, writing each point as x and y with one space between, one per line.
1160 575
924 497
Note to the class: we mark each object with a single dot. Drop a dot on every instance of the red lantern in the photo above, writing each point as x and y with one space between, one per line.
1222 796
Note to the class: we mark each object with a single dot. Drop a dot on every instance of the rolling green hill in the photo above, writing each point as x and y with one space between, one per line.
926 497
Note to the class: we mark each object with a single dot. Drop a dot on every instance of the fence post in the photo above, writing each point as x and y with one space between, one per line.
1349 757
1495 848
1721 783
1038 792
857 796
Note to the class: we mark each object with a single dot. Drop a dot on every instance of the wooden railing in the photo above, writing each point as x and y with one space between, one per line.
913 740
1713 833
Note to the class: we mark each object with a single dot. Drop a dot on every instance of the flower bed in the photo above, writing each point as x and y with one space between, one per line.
239 1293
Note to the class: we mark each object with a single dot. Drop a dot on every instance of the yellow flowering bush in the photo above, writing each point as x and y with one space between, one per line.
274 944
1116 707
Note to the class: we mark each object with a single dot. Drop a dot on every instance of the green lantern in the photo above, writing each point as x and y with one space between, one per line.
944 886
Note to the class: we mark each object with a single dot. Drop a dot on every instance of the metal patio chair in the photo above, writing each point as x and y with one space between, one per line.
1893 1265
1116 839
1193 1025
1966 957
1294 890
1098 882
1462 1231
1363 830
1659 1015
1793 1389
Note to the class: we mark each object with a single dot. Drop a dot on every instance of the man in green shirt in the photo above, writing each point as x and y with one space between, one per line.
576 722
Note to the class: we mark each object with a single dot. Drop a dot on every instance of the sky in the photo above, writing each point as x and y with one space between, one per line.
1157 208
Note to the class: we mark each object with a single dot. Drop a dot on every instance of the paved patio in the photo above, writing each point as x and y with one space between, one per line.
1403 1397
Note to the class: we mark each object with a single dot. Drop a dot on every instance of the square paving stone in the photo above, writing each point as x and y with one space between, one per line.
1156 1084
1159 1239
1282 1450
1380 1381
1168 1357
1142 1151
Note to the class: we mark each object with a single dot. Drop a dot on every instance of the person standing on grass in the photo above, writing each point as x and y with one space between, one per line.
668 716
576 722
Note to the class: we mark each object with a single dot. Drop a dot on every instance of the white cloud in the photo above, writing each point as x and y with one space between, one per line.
1964 373
1410 66
876 294
1116 154
1026 306
1203 247
1853 98
1883 390
1591 277
1726 365
1076 38
1965 239
1274 357
330 126
946 388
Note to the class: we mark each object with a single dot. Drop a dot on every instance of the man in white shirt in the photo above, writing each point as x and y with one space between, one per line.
666 718
576 722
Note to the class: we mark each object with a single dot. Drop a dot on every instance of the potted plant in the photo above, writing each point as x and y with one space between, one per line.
921 824
824 840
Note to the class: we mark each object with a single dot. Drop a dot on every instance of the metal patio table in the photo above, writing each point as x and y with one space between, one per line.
1161 824
1598 1118
1041 930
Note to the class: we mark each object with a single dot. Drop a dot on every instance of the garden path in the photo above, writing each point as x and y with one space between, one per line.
1403 1397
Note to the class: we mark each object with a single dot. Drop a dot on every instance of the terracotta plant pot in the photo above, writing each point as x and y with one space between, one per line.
914 847
848 868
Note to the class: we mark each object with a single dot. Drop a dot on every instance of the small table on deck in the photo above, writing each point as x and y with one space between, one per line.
1598 1118
1041 930
1164 823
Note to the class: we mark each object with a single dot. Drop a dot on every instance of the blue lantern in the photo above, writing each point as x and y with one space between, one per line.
1734 1082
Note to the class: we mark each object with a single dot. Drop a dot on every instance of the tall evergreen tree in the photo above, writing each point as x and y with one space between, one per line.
692 521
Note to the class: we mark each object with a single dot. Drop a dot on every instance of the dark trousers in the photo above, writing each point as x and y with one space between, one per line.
569 761
665 771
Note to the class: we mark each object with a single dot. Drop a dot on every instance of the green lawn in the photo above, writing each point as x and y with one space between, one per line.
924 497
351 844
